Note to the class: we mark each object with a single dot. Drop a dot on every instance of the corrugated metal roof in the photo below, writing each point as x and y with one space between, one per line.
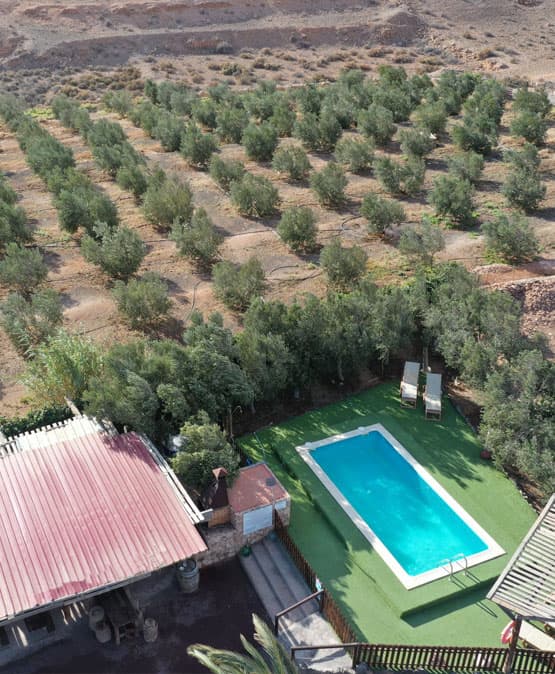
527 585
86 512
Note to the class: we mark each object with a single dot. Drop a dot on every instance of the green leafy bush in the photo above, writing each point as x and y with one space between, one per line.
377 124
527 100
381 213
224 173
260 141
318 132
283 118
231 123
22 269
45 154
355 153
119 101
197 147
397 178
329 185
45 416
523 188
432 116
254 196
478 134
169 130
531 126
422 242
466 166
28 321
293 161
204 112
511 238
132 179
417 142
118 251
199 239
237 286
297 229
451 197
144 302
344 267
83 206
168 200
13 224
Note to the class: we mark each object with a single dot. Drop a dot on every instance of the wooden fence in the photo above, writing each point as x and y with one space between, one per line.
452 659
329 608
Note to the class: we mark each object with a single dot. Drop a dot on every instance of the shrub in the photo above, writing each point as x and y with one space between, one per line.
478 134
381 213
132 179
377 124
145 115
292 161
30 321
452 197
120 101
319 133
197 147
168 130
283 118
144 302
13 224
398 178
417 142
45 154
511 239
231 123
466 166
432 116
523 188
199 239
260 141
297 229
7 194
62 368
83 206
224 173
343 267
532 101
204 112
166 201
329 185
118 251
237 286
530 126
356 153
421 243
254 196
22 269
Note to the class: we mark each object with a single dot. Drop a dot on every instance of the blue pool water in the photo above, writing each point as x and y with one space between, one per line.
409 517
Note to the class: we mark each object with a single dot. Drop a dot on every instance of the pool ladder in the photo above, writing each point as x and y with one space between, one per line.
460 557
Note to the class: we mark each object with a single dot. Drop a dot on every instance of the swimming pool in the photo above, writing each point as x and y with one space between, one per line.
419 530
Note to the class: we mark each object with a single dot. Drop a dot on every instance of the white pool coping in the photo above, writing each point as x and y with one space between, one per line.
492 551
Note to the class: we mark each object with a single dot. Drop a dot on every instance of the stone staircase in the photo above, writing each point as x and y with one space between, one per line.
279 585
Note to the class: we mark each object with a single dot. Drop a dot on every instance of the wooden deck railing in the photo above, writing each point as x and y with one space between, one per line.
329 608
458 659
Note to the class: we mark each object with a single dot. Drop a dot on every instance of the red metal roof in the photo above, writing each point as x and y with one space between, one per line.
84 513
255 486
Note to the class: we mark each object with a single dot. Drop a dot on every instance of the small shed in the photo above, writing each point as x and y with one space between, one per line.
253 498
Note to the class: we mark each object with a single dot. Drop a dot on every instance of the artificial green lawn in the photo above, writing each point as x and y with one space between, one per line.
378 606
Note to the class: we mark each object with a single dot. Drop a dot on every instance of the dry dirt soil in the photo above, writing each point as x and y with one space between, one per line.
86 48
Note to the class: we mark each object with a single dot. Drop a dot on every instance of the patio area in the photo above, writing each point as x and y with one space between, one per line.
447 611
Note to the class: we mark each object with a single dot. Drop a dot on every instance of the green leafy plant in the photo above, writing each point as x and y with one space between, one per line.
329 185
254 196
381 213
344 267
297 229
292 161
237 286
117 251
144 302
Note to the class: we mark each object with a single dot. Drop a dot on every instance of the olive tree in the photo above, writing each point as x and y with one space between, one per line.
297 229
199 239
381 213
422 242
166 200
452 197
511 238
237 286
224 173
329 185
117 251
344 267
356 154
292 161
22 269
144 302
260 141
254 196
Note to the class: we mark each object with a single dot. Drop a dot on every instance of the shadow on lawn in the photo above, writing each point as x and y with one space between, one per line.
454 604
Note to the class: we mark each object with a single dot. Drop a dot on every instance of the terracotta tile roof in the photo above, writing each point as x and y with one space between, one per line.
255 486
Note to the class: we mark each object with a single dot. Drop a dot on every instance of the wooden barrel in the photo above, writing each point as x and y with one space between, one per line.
96 615
188 576
150 630
103 632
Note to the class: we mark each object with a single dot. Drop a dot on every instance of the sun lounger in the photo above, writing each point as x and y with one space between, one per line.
536 638
432 396
409 383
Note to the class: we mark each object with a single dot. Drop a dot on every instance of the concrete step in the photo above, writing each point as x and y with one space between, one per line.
266 593
296 583
276 580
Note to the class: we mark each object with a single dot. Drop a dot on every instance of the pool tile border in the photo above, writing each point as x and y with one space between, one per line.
493 548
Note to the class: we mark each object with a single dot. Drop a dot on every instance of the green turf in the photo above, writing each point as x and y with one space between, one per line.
379 607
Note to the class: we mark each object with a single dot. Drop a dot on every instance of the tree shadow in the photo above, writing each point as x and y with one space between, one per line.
52 259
